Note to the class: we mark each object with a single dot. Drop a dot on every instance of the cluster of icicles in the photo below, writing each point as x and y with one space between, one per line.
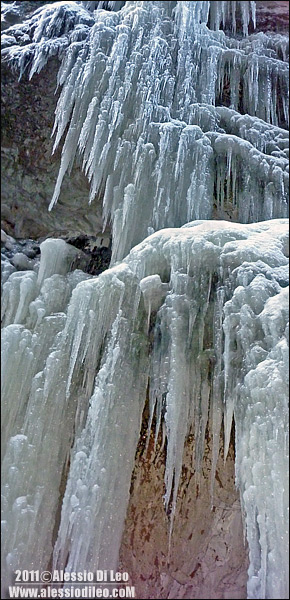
214 295
140 88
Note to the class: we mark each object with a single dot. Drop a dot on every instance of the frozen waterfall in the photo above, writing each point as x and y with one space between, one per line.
179 115
142 89
218 302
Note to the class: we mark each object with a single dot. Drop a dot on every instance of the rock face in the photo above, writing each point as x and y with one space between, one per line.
273 17
207 556
29 171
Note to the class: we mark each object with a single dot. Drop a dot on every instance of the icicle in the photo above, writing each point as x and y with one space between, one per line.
153 291
94 475
57 257
260 430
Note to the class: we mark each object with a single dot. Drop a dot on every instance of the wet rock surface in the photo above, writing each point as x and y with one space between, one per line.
272 16
29 170
207 556
98 251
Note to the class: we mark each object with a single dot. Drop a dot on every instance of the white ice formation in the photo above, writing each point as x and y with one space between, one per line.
195 314
140 102
215 297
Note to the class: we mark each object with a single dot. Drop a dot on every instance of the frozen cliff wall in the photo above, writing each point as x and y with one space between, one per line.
140 94
175 120
213 297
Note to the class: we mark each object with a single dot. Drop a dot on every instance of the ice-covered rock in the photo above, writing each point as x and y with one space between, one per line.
178 115
152 90
217 347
